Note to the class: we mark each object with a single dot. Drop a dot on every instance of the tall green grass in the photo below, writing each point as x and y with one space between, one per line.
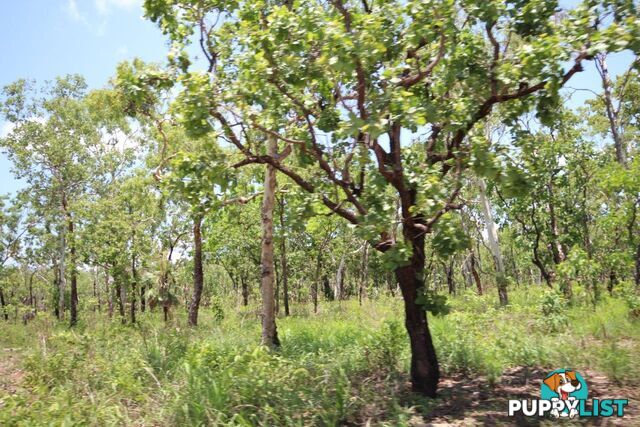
346 365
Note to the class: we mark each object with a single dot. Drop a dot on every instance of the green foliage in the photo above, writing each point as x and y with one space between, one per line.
449 236
554 307
433 302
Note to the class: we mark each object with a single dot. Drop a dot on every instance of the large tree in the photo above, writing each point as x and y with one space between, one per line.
379 100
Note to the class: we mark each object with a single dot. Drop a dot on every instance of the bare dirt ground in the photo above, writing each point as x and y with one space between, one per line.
10 375
472 402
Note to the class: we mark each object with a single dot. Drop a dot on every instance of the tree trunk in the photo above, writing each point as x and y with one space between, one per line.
283 260
425 372
556 247
56 287
637 272
74 279
328 291
314 285
143 301
62 281
198 276
245 289
108 293
32 301
121 299
365 272
3 304
269 329
134 283
474 273
612 113
339 288
449 274
494 246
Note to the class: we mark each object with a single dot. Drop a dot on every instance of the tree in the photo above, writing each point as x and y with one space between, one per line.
337 81
57 146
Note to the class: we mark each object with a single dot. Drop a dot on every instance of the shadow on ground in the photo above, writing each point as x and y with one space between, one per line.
468 401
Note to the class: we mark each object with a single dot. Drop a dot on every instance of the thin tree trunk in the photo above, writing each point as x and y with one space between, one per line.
62 281
74 277
637 272
198 276
134 282
365 272
120 293
3 304
31 298
269 329
108 293
314 285
245 289
448 268
283 260
474 272
143 300
56 286
612 113
556 247
339 288
494 246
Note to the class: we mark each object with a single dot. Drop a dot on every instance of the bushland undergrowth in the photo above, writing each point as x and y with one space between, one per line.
346 365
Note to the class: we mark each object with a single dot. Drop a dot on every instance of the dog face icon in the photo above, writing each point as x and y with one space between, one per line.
563 383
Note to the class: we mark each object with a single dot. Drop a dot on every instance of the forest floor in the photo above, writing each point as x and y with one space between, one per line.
11 375
468 401
346 365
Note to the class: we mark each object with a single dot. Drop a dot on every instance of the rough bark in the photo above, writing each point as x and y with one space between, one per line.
494 245
198 276
425 371
269 329
283 261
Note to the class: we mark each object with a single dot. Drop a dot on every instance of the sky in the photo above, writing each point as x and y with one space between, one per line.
42 39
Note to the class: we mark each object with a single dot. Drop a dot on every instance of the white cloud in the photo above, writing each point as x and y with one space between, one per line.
73 11
105 6
6 129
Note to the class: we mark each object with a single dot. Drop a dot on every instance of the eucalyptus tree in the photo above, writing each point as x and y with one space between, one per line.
61 145
556 211
10 240
613 116
345 83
